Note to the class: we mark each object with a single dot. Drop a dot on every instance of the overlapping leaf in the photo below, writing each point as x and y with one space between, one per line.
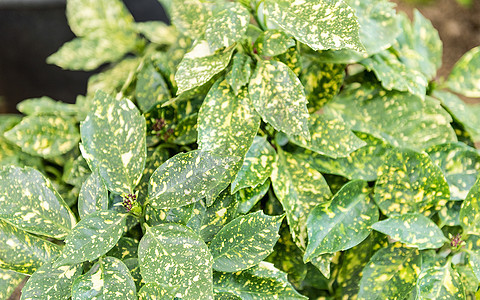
299 188
151 88
189 16
239 75
172 255
440 283
125 248
10 281
222 211
273 42
472 247
93 196
153 291
248 197
465 76
46 105
410 182
470 211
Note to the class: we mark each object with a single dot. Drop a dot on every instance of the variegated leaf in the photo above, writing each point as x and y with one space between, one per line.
450 214
273 42
222 211
172 255
29 201
93 236
440 282
278 96
46 106
158 32
319 24
189 16
107 279
45 135
154 291
113 142
261 282
125 248
410 182
329 137
342 223
248 197
465 76
244 242
9 281
470 211
179 215
23 252
93 196
51 282
299 188
472 247
391 273
151 88
239 75
412 229
187 178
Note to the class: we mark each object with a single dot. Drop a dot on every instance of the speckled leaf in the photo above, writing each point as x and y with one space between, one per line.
412 122
465 76
22 252
460 165
470 211
44 135
199 66
134 268
151 88
248 197
329 137
391 273
261 282
222 211
394 75
450 213
322 82
461 112
29 201
292 59
257 166
187 178
472 247
113 142
93 196
174 256
469 280
153 291
378 23
319 24
51 282
112 79
186 130
46 105
299 188
9 280
412 229
93 236
76 171
244 242
322 263
440 283
158 32
125 248
273 42
108 279
341 223
179 215
189 16
278 96
410 182
239 75
231 20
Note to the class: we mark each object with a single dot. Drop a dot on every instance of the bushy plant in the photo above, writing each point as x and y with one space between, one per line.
273 149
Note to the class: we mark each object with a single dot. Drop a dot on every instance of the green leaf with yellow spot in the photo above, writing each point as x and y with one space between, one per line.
292 59
153 291
472 247
93 236
125 248
9 280
257 166
260 282
23 252
410 182
113 142
134 268
329 137
412 229
187 178
45 106
391 273
76 171
322 82
440 282
179 215
107 279
44 135
412 122
470 211
342 223
189 16
51 282
322 263
273 42
222 211
468 279
172 255
239 75
450 213
244 242
30 202
93 196
319 24
299 188
231 19
460 165
248 197
278 96
151 88
158 32
465 76
200 65
155 158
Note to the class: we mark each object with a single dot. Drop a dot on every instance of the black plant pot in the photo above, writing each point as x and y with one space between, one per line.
31 30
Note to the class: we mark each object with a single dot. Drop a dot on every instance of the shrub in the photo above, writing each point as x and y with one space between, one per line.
272 149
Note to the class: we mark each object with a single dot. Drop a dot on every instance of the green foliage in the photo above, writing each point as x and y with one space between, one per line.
254 149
